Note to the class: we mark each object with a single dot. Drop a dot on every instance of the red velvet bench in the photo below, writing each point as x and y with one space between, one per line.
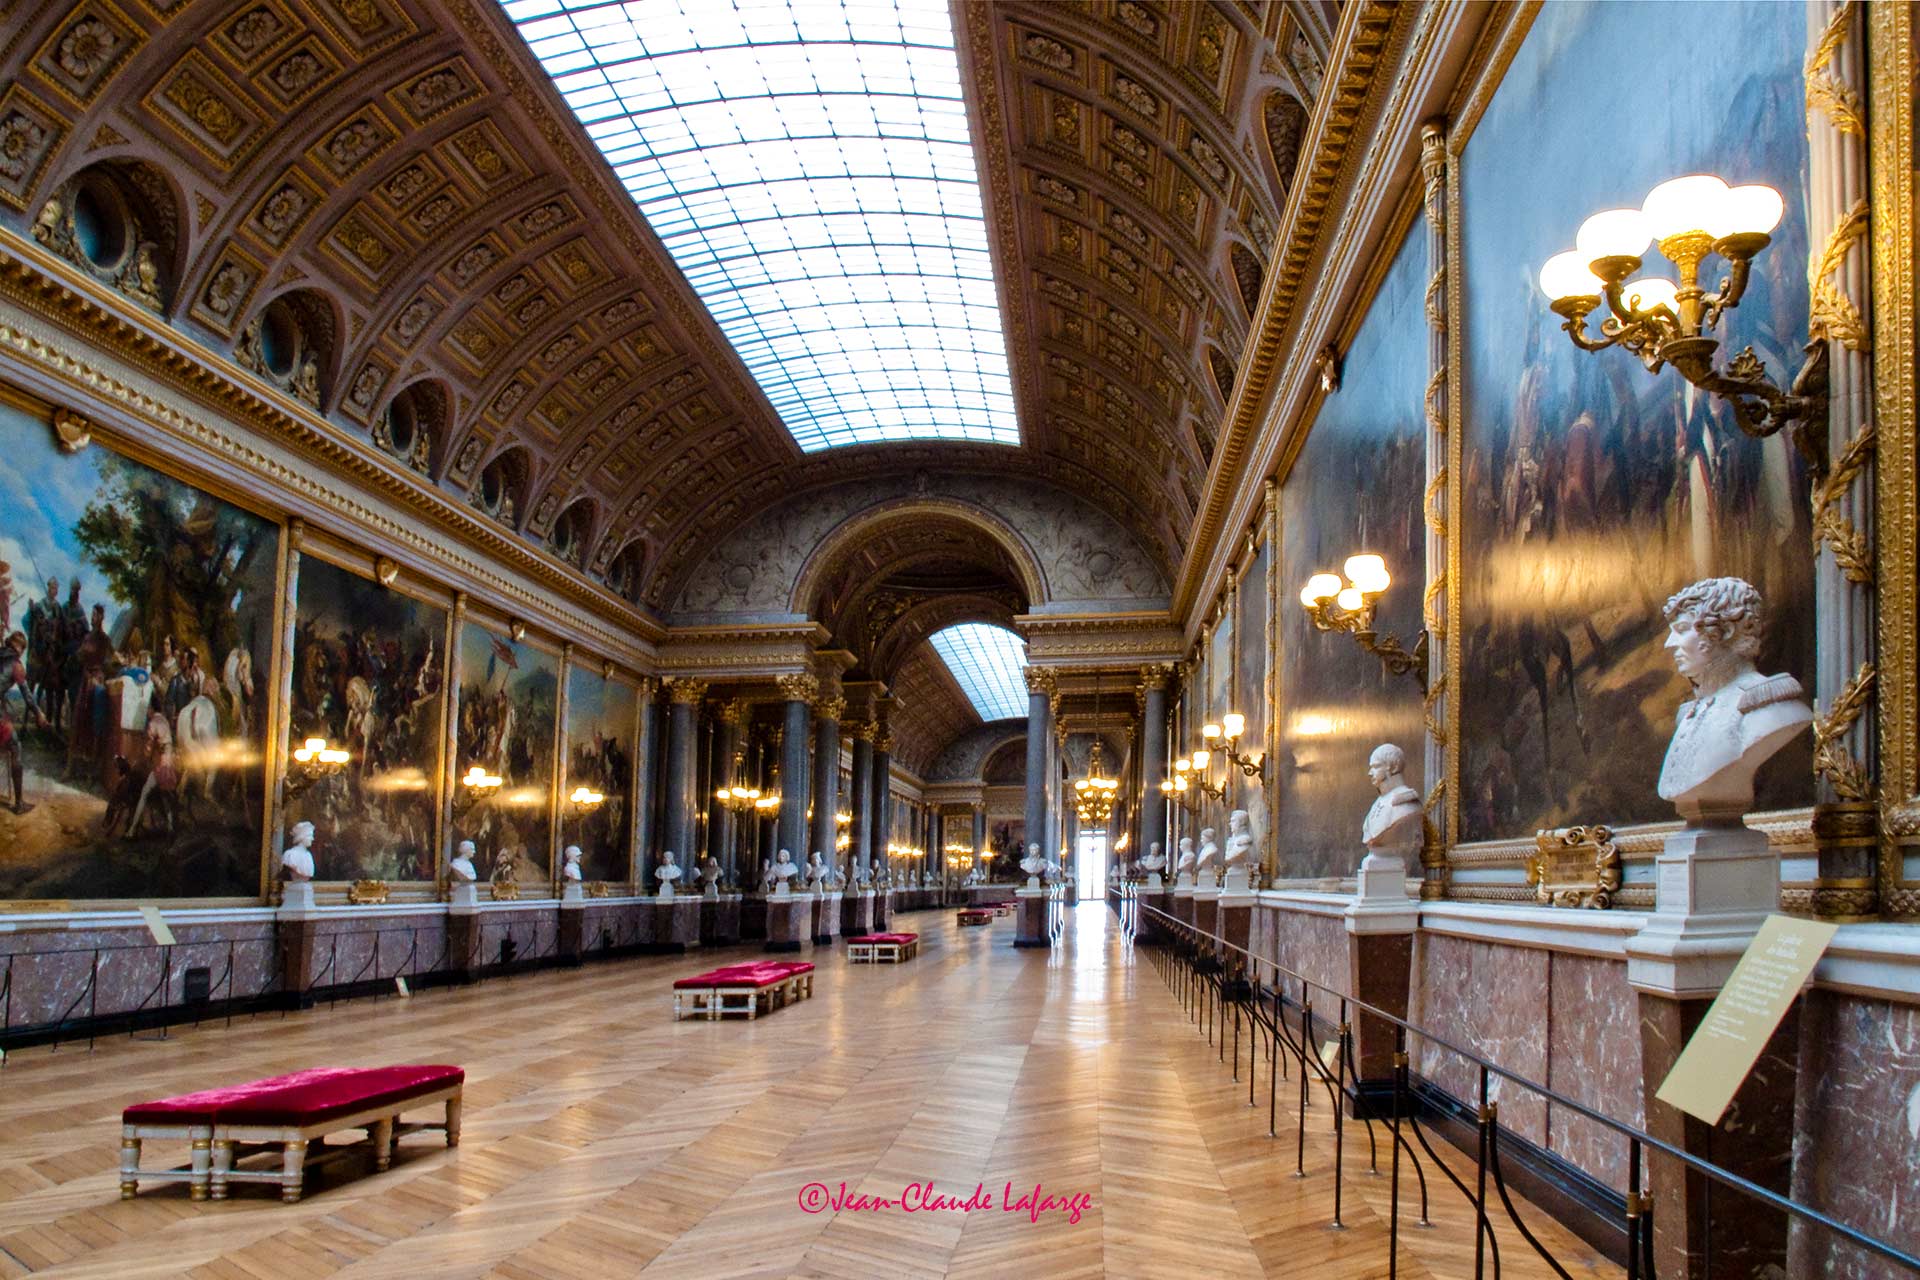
883 948
739 988
976 916
225 1125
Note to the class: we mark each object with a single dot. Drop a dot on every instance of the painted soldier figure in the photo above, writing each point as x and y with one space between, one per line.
13 675
43 641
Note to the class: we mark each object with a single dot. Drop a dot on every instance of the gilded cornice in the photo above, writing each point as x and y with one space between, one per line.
46 290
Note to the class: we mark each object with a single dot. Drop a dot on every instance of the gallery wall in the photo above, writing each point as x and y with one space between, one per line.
1586 493
196 638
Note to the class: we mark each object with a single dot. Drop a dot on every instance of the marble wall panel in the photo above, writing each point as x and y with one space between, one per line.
376 948
1312 946
1492 1000
534 932
50 969
1857 1130
1593 1057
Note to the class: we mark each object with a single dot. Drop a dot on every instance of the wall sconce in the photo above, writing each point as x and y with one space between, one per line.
1191 771
312 761
586 799
1348 607
1175 788
1227 734
1664 322
479 781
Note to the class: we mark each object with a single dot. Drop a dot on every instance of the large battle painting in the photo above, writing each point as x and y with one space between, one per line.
1593 490
369 675
602 716
1006 845
509 703
136 642
1356 487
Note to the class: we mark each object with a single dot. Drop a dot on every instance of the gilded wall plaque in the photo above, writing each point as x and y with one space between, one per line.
1575 867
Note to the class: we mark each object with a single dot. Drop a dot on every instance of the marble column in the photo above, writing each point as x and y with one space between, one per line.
825 834
685 695
881 804
1041 684
799 692
646 794
861 831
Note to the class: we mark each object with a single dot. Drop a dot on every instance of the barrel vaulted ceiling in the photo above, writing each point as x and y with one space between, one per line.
405 172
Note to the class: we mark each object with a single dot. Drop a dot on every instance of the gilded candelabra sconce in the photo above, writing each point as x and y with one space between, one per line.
585 800
1349 606
312 761
1227 734
1664 322
477 780
1191 771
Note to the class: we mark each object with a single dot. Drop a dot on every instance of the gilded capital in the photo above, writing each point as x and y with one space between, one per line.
862 730
883 741
1043 680
685 691
1155 676
649 685
733 712
829 708
799 688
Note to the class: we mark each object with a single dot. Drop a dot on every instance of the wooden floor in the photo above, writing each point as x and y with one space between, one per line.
602 1139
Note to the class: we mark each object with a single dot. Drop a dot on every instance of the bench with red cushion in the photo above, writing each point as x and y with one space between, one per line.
976 916
739 988
882 948
289 1111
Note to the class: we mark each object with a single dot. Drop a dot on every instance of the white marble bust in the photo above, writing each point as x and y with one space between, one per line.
1737 717
817 873
1183 867
461 870
1393 824
570 864
1239 839
666 873
783 870
1208 867
710 876
296 860
1034 865
1155 859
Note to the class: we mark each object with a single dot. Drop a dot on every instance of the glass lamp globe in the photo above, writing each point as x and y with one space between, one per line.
1754 209
1697 202
1350 599
1368 573
1567 275
1649 292
1613 233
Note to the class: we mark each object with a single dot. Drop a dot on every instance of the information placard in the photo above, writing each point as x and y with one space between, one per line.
157 925
1738 1023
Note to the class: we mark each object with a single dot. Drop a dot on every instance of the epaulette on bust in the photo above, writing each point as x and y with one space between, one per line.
1780 688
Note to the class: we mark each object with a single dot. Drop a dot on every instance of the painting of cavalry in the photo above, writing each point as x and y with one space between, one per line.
602 716
509 704
369 675
137 619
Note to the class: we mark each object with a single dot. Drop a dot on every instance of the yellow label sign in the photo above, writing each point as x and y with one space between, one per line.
1738 1023
1330 1053
157 925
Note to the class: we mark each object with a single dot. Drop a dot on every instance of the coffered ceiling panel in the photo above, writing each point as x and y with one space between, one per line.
475 296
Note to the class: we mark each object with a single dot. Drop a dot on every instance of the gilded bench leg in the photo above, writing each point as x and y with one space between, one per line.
202 1166
129 1164
382 1144
453 1121
222 1165
293 1170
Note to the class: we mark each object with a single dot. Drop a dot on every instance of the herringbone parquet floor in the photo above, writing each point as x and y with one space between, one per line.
603 1140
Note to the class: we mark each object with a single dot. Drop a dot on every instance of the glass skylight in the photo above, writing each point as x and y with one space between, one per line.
986 662
808 165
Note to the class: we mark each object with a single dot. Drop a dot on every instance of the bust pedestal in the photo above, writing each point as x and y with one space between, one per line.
1235 880
572 891
789 922
1030 918
1209 879
1381 903
296 896
719 918
571 938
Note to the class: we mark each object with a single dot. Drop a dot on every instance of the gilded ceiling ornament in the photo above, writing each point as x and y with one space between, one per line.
87 47
1049 52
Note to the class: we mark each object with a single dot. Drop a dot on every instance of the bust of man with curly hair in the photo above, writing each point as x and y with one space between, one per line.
1737 717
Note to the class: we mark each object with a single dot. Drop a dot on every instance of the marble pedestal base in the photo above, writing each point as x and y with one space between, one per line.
1715 886
296 933
1030 918
1753 1139
790 923
753 919
572 936
1379 972
1233 925
720 919
856 913
882 910
1152 928
463 940
1183 905
826 919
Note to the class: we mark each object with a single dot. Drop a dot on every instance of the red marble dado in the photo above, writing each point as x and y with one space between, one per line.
1593 1057
1493 1000
1856 1127
377 948
1313 946
50 968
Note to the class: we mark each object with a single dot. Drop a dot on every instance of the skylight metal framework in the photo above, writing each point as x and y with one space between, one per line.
986 661
808 165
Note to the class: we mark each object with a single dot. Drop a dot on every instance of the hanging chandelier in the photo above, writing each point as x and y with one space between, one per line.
1094 794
